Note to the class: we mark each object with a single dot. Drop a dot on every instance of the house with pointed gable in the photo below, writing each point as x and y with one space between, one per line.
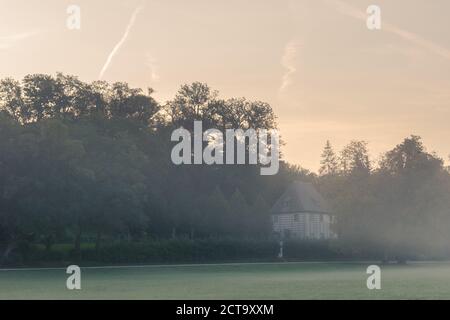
302 213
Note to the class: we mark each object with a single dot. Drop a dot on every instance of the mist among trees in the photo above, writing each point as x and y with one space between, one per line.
90 163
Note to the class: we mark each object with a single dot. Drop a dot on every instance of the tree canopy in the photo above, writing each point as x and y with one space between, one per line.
92 161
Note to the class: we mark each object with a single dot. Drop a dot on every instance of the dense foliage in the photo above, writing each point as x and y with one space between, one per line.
90 162
396 208
86 162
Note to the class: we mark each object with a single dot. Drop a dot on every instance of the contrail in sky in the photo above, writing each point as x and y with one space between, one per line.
121 41
288 62
9 40
356 13
151 63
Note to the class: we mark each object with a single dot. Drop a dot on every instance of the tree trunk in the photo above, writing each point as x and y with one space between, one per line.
48 243
174 233
10 247
98 242
77 244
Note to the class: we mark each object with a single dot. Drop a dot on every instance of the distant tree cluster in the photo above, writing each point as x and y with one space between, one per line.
397 208
92 161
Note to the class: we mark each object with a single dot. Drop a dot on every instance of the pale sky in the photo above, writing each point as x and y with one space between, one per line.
324 73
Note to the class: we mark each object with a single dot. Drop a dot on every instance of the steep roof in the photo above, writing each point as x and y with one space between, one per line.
301 197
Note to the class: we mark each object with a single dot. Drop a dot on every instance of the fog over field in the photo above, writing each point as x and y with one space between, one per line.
277 149
241 281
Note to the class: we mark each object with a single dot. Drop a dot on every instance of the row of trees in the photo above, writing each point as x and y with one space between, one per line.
40 96
89 161
396 207
92 160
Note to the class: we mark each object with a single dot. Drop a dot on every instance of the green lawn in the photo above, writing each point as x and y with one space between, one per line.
233 281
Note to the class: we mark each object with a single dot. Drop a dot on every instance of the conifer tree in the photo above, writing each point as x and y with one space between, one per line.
329 162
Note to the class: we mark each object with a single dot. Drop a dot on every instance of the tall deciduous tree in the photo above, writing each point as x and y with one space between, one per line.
354 158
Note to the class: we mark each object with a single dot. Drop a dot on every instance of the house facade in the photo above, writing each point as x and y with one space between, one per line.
302 213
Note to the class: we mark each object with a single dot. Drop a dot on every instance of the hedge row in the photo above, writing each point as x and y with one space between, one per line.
180 251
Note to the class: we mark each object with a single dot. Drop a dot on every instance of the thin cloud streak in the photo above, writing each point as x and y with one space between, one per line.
288 62
416 39
151 63
121 41
9 41
356 13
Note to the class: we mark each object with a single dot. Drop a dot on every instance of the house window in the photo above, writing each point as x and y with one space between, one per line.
295 217
321 218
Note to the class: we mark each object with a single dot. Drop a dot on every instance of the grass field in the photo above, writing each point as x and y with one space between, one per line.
233 281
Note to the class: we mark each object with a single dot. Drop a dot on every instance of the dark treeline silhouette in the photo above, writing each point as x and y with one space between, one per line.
90 163
397 208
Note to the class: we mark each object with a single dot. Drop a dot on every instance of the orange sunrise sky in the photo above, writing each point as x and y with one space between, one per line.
326 75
